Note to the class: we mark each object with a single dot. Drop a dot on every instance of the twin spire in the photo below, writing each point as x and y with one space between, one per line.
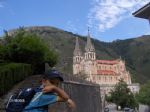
88 48
77 51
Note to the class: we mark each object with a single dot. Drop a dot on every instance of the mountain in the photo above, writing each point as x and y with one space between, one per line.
135 51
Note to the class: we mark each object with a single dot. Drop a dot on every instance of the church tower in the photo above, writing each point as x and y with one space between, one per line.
90 59
89 49
77 58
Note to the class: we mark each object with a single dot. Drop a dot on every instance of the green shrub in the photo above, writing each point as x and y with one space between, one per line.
26 47
12 73
122 96
144 94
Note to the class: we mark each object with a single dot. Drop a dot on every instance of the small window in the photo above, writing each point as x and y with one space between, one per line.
99 77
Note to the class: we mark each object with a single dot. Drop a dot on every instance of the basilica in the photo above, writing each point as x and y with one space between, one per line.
106 73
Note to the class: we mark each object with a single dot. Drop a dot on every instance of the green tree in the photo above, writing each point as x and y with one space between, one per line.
26 47
7 39
122 96
144 94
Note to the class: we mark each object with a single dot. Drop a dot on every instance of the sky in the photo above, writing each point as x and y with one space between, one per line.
107 20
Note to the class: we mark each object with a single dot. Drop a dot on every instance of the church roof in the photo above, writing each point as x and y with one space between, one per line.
108 62
106 72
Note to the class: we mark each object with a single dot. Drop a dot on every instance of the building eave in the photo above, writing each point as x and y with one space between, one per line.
143 12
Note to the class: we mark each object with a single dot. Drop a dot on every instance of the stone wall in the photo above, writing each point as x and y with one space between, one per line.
86 96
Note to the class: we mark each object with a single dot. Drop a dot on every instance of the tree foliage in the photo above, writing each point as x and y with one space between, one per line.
144 94
25 47
122 96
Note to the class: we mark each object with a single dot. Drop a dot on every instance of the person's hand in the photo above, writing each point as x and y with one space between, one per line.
71 104
49 88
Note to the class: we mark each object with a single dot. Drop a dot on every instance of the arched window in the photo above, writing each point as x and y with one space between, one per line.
116 78
121 67
99 77
93 77
91 55
105 79
110 67
99 67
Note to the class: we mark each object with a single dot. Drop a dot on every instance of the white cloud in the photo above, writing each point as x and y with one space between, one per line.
106 14
73 26
70 26
147 33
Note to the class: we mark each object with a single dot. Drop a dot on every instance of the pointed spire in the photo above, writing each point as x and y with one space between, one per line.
77 50
88 32
120 57
89 45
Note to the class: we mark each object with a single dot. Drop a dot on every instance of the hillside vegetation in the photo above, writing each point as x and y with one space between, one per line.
135 51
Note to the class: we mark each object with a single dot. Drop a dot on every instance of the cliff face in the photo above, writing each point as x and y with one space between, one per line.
135 51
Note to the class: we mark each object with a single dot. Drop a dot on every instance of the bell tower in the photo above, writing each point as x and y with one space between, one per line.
90 58
89 49
77 58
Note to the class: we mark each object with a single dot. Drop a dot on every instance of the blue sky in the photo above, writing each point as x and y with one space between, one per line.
108 19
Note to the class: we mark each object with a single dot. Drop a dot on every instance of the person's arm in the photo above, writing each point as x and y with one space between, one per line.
57 90
62 95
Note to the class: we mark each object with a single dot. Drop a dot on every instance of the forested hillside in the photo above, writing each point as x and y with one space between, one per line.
135 51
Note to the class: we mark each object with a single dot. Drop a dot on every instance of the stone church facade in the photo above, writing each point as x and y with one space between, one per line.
106 73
